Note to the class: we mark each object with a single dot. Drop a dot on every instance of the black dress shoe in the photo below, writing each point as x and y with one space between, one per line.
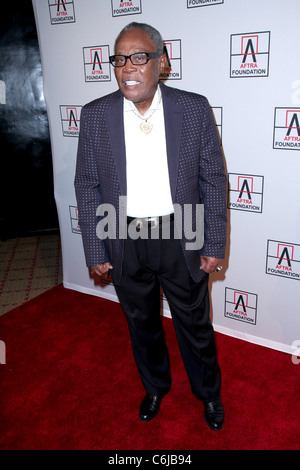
150 407
214 414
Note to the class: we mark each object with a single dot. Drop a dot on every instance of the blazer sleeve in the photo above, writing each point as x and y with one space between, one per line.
88 193
213 187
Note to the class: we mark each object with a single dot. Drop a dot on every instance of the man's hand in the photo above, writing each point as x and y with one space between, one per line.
101 269
209 265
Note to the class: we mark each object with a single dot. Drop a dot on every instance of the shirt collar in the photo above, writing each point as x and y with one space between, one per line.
156 104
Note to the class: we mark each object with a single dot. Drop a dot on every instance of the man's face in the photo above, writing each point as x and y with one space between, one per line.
138 83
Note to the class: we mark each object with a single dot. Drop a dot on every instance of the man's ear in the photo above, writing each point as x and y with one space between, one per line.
162 62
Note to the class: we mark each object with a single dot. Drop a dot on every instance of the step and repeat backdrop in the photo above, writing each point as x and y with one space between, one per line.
243 55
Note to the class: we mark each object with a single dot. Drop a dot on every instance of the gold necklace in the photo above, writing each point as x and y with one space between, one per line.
146 126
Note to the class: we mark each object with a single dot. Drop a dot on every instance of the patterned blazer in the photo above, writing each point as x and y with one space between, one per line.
196 172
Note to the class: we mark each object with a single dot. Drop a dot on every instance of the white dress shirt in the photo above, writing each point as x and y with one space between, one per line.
148 185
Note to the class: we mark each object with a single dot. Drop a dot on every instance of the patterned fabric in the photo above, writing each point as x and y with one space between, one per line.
196 172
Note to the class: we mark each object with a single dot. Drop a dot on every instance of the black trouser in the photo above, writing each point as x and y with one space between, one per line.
149 264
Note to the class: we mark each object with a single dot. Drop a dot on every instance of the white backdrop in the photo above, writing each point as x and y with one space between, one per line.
243 55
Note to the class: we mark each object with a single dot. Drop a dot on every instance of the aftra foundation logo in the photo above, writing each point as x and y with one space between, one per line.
61 11
241 305
249 55
283 259
202 3
70 120
96 64
74 219
172 71
133 7
245 192
287 129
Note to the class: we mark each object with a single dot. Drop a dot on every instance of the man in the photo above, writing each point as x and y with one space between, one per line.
157 149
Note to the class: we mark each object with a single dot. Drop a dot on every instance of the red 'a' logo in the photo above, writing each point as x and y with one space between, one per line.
292 121
61 4
241 302
249 48
245 191
285 254
72 118
96 60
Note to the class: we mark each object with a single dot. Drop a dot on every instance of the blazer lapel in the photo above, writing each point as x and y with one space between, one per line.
173 113
117 138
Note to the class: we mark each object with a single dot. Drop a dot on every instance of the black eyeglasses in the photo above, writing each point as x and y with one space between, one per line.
139 58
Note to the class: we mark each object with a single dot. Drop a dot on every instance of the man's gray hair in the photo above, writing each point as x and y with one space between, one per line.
152 32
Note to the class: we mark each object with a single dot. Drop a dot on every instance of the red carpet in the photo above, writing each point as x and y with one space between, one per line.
70 382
